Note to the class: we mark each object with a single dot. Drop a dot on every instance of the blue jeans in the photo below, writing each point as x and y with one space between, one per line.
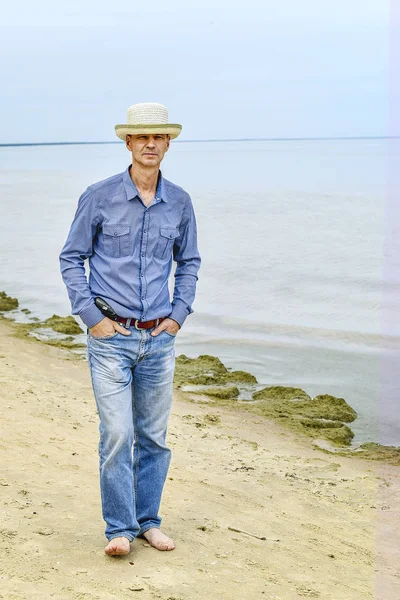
132 378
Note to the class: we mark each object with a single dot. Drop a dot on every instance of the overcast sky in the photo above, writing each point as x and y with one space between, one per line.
225 69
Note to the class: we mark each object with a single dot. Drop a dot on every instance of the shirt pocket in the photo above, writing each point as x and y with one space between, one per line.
165 242
117 239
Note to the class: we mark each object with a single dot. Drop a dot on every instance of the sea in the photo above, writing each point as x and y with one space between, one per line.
300 276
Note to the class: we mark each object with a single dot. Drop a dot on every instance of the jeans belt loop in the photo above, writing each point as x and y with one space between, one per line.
128 322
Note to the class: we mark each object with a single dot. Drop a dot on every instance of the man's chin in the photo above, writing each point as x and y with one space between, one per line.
150 161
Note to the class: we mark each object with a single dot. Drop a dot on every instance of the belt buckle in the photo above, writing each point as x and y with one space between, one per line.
137 321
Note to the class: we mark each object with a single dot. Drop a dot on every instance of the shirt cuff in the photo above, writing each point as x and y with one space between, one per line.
91 315
178 314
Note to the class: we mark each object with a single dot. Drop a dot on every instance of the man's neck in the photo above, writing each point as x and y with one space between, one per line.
144 179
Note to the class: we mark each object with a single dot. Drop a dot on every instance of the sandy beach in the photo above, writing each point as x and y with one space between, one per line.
311 524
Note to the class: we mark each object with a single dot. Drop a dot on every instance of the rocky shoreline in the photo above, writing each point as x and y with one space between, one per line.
206 380
255 507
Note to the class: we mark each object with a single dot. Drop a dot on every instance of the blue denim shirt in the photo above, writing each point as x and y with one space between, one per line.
130 247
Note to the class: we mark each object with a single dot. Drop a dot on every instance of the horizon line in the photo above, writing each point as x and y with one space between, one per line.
212 140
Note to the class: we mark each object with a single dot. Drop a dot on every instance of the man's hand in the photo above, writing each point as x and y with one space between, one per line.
169 324
107 327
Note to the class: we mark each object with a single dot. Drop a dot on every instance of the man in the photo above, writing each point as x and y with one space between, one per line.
130 226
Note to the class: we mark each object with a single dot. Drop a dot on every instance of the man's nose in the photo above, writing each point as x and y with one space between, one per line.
151 142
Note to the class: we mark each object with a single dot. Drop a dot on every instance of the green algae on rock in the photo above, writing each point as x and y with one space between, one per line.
7 303
321 417
203 364
368 451
207 370
219 392
24 330
234 377
328 407
374 451
334 431
63 324
281 393
68 343
203 380
240 377
66 325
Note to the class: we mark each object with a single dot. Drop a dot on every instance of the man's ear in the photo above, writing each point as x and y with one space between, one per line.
128 142
168 142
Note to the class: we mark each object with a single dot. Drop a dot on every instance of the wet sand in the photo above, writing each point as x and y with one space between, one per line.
330 522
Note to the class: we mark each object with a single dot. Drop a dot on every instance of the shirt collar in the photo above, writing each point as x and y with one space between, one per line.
131 189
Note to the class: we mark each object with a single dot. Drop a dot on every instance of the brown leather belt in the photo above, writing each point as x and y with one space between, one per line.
128 321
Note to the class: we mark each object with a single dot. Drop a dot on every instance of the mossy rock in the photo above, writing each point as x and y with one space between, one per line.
63 324
23 329
375 451
340 436
203 362
326 406
320 423
324 416
241 377
375 447
280 392
224 393
65 343
334 431
234 377
203 380
207 370
7 303
203 366
296 401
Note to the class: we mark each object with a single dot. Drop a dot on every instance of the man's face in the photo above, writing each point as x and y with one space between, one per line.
148 150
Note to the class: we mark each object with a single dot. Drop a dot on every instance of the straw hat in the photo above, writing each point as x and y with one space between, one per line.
145 118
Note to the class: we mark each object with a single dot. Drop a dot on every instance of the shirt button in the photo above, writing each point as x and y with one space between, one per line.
144 231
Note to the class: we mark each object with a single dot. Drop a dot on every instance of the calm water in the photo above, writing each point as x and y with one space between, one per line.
295 285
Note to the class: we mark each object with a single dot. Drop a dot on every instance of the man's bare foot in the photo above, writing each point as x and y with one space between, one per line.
118 546
158 539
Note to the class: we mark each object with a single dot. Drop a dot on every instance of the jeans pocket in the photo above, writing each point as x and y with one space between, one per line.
173 335
104 338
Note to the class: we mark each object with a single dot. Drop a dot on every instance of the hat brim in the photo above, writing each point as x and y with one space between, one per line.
171 129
